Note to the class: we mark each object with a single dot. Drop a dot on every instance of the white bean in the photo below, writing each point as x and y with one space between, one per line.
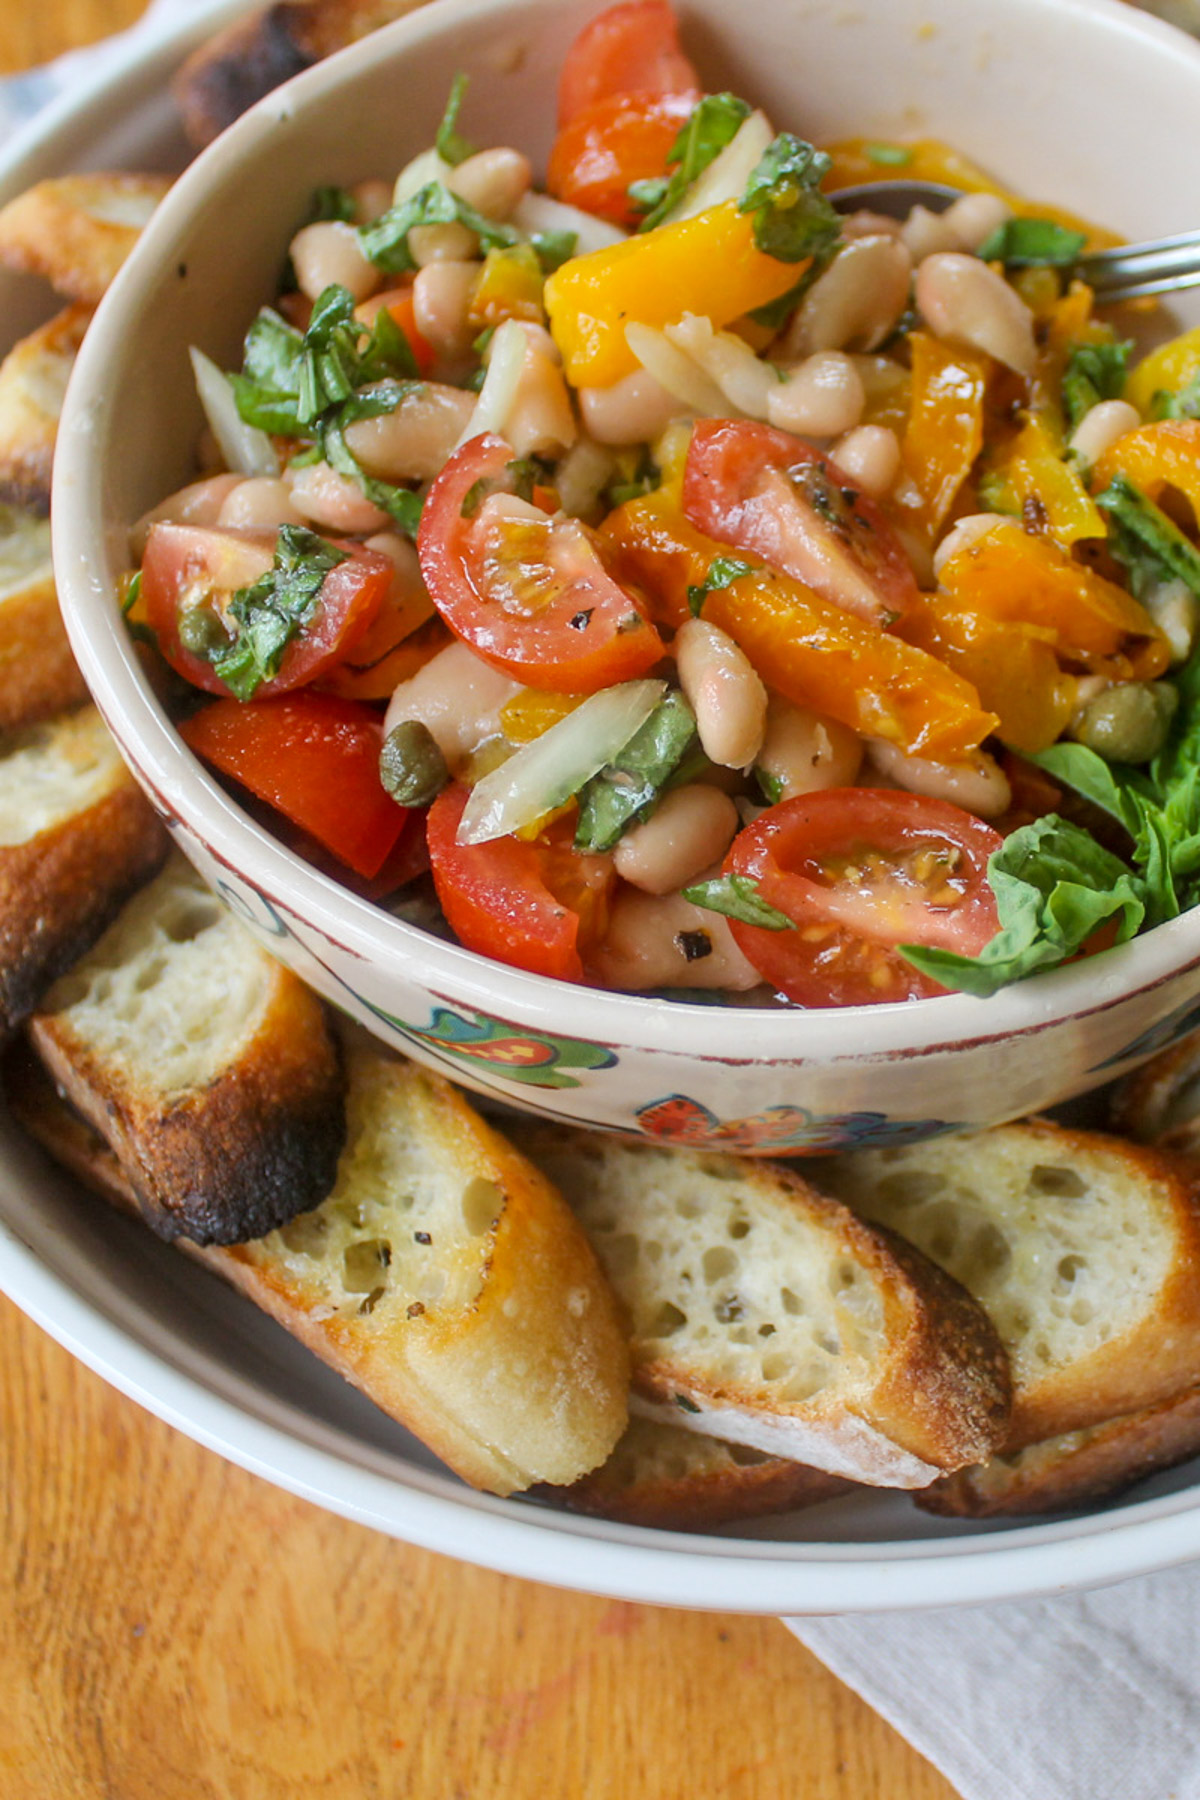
978 784
327 254
332 501
633 410
870 456
441 297
974 217
458 698
412 442
925 233
822 396
451 242
967 531
371 200
969 302
199 503
691 829
494 182
658 941
724 692
1101 426
856 302
805 752
260 503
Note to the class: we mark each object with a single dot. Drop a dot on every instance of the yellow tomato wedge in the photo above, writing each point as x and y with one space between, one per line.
1047 490
1155 457
1164 370
945 426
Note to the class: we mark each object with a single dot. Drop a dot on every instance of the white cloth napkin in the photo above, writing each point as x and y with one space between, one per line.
1094 1697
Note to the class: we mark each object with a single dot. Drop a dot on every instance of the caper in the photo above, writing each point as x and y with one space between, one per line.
202 632
411 766
1128 722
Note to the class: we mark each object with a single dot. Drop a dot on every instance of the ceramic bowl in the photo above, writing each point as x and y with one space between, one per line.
1089 104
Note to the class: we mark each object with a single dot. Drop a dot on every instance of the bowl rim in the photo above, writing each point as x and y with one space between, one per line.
719 1034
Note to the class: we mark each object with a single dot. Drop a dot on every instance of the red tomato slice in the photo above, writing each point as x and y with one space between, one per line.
615 141
188 569
530 595
532 905
315 757
630 49
399 302
860 870
779 498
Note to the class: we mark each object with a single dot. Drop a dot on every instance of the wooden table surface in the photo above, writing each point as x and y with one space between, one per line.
174 1629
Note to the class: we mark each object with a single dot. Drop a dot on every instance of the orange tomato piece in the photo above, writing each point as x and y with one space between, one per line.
945 425
1012 665
1154 457
1047 490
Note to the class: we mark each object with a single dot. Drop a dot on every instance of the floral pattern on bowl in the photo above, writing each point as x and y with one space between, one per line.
676 1119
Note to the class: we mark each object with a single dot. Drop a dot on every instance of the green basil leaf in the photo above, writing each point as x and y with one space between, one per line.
274 610
712 124
737 897
1143 535
723 571
451 147
385 241
889 156
629 788
1185 404
1094 372
792 219
332 203
1032 244
554 248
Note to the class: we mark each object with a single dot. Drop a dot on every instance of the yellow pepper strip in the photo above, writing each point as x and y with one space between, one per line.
945 427
1168 369
807 649
1047 490
1012 664
1154 457
376 680
708 263
887 389
1012 575
533 711
508 286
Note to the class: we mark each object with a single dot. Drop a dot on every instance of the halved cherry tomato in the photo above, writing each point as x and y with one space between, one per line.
777 497
529 594
533 905
615 141
315 757
861 870
189 572
399 302
632 48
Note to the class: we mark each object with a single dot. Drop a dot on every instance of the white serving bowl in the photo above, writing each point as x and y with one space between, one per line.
1090 105
168 1334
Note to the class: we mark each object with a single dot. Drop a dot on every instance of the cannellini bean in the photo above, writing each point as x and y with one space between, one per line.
856 302
870 456
371 200
724 692
978 784
326 254
822 396
968 302
494 182
967 531
973 219
864 223
457 697
451 242
413 442
925 233
261 503
691 829
332 501
806 752
441 297
633 410
199 503
1175 609
658 941
1101 426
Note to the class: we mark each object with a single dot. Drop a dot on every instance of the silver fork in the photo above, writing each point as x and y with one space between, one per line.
1128 272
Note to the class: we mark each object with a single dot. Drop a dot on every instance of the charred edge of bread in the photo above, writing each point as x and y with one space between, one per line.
1075 1468
39 676
51 1121
61 889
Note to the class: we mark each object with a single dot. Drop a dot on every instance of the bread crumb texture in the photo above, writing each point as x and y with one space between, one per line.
53 771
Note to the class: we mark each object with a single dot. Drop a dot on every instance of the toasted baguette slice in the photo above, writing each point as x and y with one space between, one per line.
1074 1468
207 1067
33 381
38 674
1083 1249
765 1314
443 1276
77 230
661 1475
1160 1102
237 66
76 836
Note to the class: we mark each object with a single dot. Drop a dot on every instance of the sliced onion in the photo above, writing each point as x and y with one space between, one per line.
582 475
246 449
547 772
727 174
675 370
538 212
742 377
506 361
417 174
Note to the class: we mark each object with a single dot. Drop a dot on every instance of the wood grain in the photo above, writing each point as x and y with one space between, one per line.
174 1629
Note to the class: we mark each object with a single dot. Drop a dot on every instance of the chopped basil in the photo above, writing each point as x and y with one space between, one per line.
332 203
629 788
723 571
451 147
769 786
1094 372
633 478
554 248
792 218
738 898
269 614
1185 404
1032 244
1142 538
712 124
385 241
889 156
